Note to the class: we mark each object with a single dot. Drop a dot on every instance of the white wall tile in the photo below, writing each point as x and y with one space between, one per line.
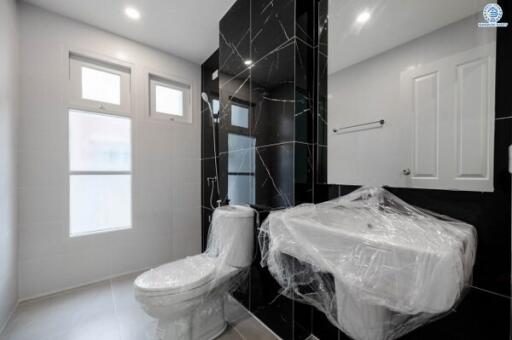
185 238
8 122
41 204
165 155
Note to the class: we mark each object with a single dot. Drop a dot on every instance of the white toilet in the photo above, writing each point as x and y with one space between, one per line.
187 296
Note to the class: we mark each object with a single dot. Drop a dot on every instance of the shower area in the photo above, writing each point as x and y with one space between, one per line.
263 84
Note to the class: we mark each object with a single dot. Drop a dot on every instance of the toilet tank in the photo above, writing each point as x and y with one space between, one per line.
231 237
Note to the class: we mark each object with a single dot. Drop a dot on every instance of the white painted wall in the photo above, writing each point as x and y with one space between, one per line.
8 118
166 173
372 90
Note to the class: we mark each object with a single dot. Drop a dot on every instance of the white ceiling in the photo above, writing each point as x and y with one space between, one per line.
185 28
392 23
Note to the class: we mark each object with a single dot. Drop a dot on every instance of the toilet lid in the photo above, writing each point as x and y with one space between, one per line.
188 273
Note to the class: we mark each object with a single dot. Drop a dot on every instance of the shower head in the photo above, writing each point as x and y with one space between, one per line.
205 98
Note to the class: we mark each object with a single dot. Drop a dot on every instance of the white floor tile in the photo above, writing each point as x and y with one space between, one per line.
106 311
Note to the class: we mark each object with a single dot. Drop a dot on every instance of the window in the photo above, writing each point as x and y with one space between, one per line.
101 86
98 85
241 169
169 100
215 106
100 172
239 116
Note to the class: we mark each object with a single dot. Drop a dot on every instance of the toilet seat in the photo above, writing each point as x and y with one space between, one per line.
177 277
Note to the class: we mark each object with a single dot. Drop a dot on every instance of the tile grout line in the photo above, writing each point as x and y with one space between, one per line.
491 292
238 332
115 308
254 317
9 317
504 118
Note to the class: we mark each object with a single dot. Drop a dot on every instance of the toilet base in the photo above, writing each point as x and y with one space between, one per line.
209 320
214 334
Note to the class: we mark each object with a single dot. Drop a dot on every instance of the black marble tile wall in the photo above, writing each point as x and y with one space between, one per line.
273 96
266 134
272 25
235 39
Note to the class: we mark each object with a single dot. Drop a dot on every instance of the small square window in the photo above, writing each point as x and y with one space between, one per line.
101 86
215 106
169 100
98 85
239 116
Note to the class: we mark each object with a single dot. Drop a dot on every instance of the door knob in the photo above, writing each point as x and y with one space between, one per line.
406 172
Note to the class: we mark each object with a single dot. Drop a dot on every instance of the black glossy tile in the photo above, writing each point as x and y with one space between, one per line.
303 320
304 171
267 304
235 38
278 316
304 128
275 68
322 24
305 91
326 192
502 140
272 24
273 97
208 171
274 175
324 329
305 21
321 118
321 165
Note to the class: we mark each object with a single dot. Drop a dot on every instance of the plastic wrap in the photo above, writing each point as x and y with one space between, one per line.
187 295
375 265
231 244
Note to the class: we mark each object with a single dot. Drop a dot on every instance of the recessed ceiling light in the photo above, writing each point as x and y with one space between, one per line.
132 13
363 17
248 62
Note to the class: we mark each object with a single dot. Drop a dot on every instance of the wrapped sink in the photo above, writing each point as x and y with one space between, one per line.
375 265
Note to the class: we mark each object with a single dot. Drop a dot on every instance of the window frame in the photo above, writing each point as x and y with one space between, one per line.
99 173
250 174
168 82
76 103
76 62
245 132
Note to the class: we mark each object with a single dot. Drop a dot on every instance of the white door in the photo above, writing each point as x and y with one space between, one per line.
448 107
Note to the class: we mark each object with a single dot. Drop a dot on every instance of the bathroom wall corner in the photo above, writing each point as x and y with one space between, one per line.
8 159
